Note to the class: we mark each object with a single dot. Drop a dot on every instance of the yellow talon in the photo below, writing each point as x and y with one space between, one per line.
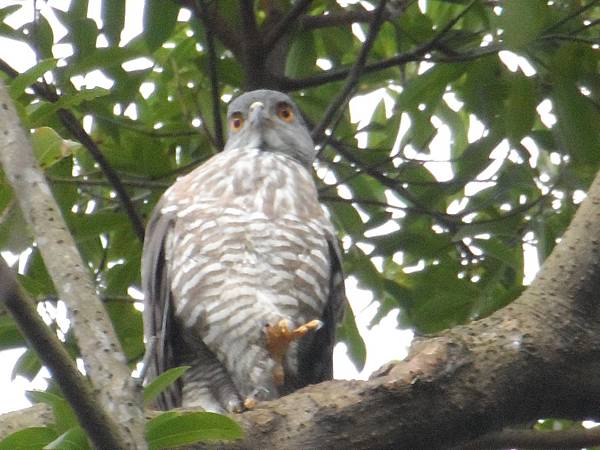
279 338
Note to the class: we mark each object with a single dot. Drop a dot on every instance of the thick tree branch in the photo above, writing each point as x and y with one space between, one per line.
537 357
38 415
99 426
71 123
100 349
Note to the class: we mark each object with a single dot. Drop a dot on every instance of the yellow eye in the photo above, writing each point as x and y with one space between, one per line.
236 121
285 112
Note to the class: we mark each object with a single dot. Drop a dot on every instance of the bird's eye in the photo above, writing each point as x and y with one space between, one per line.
285 112
236 122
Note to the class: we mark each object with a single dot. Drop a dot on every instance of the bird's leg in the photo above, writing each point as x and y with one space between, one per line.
279 337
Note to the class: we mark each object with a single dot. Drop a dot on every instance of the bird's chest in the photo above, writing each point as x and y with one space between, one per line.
251 216
250 181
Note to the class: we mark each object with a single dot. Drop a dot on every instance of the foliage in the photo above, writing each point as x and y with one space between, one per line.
484 137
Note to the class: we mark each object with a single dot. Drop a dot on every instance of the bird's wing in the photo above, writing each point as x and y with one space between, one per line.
158 306
316 359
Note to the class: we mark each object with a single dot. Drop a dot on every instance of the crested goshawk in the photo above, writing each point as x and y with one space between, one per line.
241 269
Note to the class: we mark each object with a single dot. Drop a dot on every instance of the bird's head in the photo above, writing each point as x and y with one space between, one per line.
270 121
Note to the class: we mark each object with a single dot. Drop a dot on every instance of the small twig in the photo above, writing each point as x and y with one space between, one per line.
214 78
99 426
414 55
568 17
227 34
72 124
150 347
284 24
148 184
344 96
569 38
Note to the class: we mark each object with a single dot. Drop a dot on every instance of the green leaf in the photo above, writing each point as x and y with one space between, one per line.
28 365
113 19
33 438
578 127
72 439
160 18
10 337
348 333
302 56
160 383
84 33
520 113
64 417
175 429
522 21
50 147
41 112
25 79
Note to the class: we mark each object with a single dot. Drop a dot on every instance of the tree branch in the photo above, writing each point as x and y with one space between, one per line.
71 123
341 19
417 54
100 349
284 25
214 78
218 25
37 415
344 96
99 426
570 16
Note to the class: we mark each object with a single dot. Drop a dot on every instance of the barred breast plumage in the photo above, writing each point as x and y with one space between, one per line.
244 245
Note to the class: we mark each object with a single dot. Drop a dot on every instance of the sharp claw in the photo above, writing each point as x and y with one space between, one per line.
251 401
279 338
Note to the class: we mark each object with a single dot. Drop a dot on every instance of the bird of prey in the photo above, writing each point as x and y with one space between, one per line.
241 269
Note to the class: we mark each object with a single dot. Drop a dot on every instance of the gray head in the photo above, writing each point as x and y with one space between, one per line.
269 120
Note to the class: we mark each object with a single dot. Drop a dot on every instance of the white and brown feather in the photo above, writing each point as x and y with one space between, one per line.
239 243
245 250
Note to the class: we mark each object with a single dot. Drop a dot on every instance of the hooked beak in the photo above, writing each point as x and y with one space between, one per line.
257 113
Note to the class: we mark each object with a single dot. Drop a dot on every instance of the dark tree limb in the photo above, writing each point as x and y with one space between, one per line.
98 424
72 124
214 78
